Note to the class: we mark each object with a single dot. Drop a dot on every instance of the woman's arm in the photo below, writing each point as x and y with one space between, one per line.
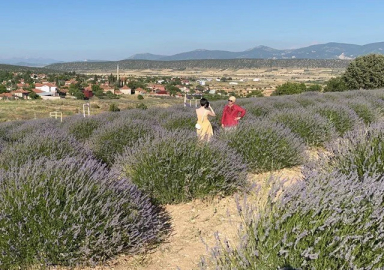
211 112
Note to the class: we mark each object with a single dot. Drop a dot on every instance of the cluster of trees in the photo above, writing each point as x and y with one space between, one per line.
365 72
291 88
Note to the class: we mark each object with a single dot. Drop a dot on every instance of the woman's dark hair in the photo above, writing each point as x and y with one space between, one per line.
204 102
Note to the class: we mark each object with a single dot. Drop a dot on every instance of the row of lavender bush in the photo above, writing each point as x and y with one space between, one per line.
143 157
332 218
325 221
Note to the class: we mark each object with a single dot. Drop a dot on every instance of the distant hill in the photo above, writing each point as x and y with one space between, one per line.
16 68
320 51
29 62
146 56
199 64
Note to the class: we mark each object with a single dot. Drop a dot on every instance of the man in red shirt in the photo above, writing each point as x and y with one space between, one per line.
231 114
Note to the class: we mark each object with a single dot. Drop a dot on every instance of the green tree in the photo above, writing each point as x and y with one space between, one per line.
200 87
97 91
73 88
79 95
289 88
3 89
135 84
256 93
314 88
111 95
336 84
173 90
33 95
365 72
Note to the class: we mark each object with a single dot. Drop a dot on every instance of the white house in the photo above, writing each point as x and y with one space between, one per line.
48 87
212 91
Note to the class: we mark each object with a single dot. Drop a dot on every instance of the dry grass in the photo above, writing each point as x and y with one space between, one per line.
29 109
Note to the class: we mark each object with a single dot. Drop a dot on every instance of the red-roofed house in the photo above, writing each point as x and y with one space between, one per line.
47 87
126 90
20 93
158 87
4 96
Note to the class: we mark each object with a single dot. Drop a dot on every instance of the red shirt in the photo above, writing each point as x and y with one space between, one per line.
230 113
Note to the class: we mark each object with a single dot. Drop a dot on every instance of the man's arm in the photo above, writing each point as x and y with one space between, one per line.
242 111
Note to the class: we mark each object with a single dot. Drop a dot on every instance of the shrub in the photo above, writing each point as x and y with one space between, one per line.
51 143
314 88
322 222
364 110
29 127
82 127
313 128
141 106
110 139
255 93
7 127
365 72
265 146
113 108
174 167
259 109
140 97
341 117
179 118
336 84
289 88
360 151
69 212
287 103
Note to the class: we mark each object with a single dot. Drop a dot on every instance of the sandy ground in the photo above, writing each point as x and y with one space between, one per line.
194 225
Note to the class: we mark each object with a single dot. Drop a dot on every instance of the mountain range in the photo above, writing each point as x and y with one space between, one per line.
29 61
330 50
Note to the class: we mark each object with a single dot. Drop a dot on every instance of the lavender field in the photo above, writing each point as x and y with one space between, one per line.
84 190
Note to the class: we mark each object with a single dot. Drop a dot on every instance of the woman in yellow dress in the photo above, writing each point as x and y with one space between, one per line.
203 127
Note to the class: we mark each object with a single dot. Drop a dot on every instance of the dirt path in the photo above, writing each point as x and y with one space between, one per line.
193 222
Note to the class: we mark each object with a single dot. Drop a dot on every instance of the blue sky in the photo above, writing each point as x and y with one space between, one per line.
116 29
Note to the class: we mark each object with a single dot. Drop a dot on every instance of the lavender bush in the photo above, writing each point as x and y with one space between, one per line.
259 108
175 167
265 146
110 139
71 212
329 221
179 119
287 103
360 151
50 143
313 128
364 110
82 127
341 117
7 127
29 127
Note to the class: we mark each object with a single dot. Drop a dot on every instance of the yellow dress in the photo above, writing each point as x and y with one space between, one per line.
206 130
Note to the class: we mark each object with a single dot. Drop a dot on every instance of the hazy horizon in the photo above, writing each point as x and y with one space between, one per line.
116 30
